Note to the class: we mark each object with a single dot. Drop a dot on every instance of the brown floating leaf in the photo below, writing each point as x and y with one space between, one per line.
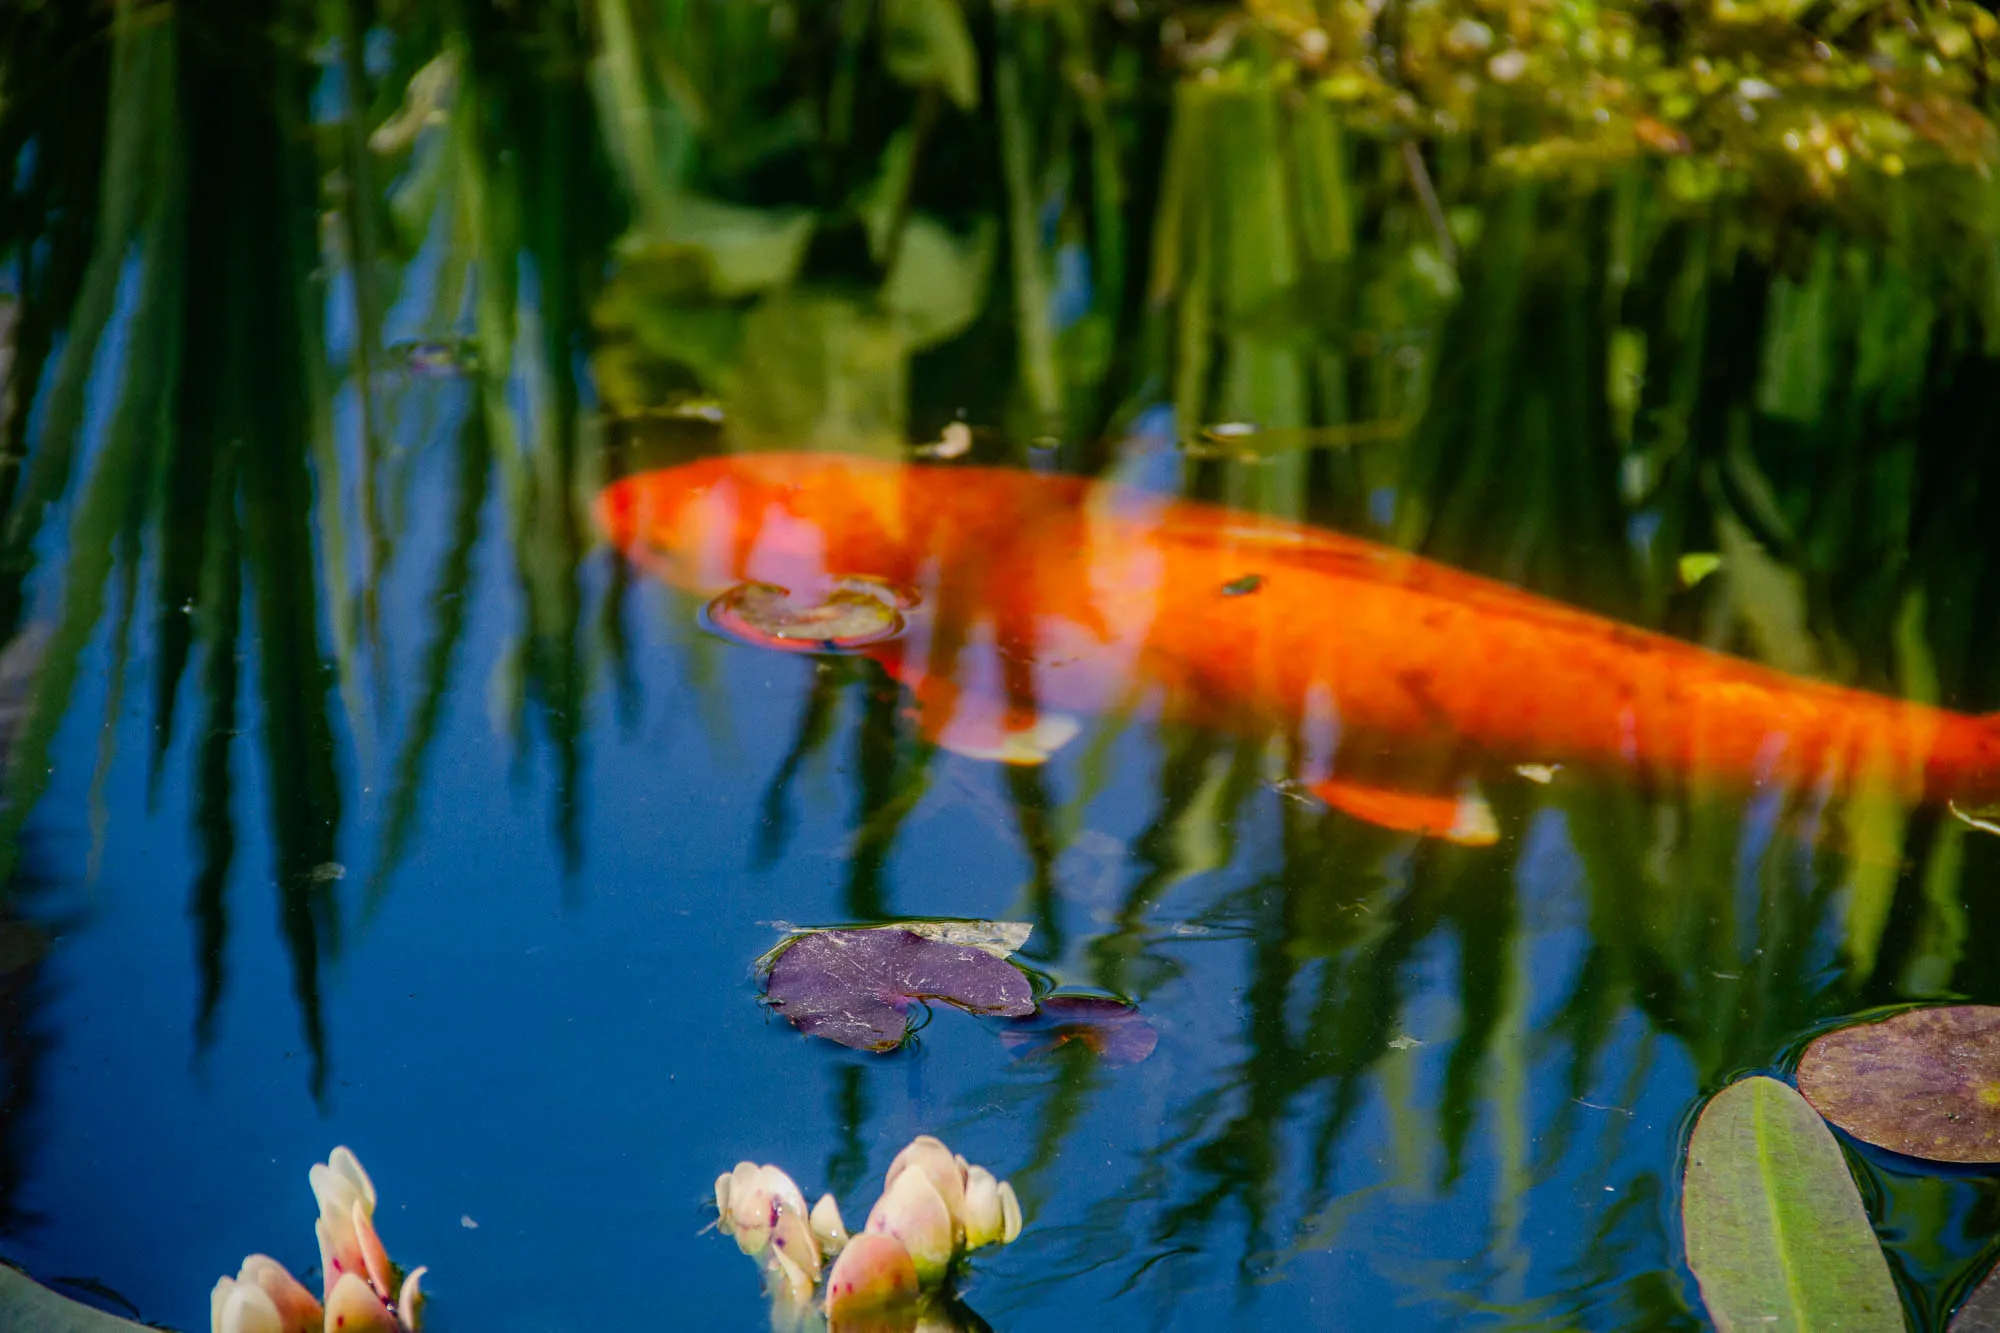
857 987
1925 1083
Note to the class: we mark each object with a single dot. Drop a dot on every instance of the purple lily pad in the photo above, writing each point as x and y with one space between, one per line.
1925 1083
1115 1030
857 987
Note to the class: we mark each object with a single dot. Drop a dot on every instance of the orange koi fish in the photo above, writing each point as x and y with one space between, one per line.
1011 604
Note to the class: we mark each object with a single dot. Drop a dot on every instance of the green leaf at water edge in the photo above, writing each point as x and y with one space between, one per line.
1775 1230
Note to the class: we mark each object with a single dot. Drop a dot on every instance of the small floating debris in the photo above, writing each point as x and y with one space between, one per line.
1984 819
954 442
1247 442
1244 586
1540 774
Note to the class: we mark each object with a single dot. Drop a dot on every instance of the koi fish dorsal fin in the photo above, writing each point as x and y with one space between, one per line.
1462 817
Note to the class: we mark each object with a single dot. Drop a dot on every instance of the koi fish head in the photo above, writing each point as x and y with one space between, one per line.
802 522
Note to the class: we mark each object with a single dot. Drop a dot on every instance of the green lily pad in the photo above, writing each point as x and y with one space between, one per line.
1776 1233
26 1303
1925 1083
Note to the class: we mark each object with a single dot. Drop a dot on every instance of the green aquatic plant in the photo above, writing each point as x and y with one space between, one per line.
1776 1231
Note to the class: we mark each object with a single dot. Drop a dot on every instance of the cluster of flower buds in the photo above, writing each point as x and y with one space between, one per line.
264 1298
935 1208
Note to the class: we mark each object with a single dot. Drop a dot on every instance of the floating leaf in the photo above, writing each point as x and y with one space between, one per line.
1115 1030
857 987
1775 1230
1925 1083
26 1303
840 619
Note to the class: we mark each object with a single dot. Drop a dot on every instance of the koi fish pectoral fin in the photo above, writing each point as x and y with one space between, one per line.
998 735
1461 817
1029 745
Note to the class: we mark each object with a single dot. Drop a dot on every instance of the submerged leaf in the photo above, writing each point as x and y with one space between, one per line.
1115 1030
1775 1230
856 987
1925 1083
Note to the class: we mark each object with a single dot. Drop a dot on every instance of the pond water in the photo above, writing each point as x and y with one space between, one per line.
361 793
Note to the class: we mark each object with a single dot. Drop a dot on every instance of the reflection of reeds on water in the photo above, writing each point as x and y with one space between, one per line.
847 236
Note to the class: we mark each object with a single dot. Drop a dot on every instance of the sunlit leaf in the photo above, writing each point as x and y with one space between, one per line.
1925 1082
858 987
1775 1230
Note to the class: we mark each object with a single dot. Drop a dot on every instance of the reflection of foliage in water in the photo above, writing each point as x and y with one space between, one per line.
1596 346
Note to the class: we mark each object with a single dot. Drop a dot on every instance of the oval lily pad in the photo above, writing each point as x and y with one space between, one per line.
1115 1030
858 987
1776 1233
1925 1083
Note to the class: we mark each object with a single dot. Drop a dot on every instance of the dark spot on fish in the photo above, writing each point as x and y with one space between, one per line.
1249 583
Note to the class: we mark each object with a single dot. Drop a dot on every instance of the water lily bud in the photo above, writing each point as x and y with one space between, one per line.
792 1236
723 1224
374 1257
945 1172
339 1183
983 1218
787 1278
410 1300
749 1208
826 1224
353 1307
238 1307
298 1309
873 1271
1010 1214
345 1193
914 1213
